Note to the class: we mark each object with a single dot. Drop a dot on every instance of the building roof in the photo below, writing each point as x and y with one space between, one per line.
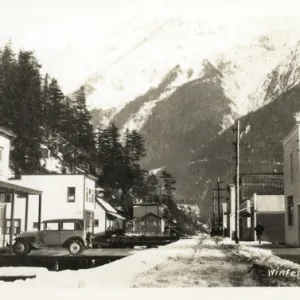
116 215
291 133
54 174
9 134
146 204
148 214
107 207
8 187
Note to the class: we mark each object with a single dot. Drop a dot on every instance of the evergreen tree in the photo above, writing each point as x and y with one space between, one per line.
55 110
8 69
45 101
168 190
27 117
82 125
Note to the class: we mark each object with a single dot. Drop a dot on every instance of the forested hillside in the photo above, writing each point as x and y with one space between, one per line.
45 120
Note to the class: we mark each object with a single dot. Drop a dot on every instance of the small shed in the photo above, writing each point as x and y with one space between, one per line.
149 224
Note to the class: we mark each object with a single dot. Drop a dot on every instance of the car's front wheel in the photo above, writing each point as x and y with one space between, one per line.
21 247
76 247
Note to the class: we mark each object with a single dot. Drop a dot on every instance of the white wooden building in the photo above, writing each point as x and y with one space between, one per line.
9 190
106 217
64 197
291 146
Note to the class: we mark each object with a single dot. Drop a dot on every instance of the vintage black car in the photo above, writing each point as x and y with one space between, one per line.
67 233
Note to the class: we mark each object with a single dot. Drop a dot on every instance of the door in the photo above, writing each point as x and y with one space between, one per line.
71 229
51 234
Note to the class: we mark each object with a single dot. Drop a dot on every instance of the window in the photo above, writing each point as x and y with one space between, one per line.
17 226
87 195
51 226
155 223
96 223
291 165
71 194
35 225
1 161
290 210
142 223
68 226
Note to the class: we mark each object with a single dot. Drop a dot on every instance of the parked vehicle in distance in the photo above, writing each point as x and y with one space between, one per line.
66 233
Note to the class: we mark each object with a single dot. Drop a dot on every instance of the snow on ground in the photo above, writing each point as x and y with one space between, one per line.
201 261
118 274
21 271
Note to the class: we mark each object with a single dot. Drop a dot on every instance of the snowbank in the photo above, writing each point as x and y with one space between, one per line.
199 261
118 274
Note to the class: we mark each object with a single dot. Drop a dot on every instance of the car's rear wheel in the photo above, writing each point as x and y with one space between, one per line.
21 247
76 247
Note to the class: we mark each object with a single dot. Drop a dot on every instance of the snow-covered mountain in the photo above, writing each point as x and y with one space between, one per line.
183 87
250 55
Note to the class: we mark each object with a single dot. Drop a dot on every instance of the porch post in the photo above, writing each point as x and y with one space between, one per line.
40 213
26 212
12 212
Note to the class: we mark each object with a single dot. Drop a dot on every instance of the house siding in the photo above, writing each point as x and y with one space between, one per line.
100 216
291 145
4 167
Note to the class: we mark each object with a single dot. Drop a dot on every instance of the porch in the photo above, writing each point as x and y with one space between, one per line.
8 193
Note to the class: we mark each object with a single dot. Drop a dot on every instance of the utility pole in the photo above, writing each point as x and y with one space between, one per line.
237 182
219 202
214 211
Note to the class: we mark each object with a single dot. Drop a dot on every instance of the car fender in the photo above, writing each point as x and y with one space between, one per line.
32 246
70 239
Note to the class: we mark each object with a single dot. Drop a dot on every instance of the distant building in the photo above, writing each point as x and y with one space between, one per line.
149 225
256 189
269 210
291 146
141 209
148 219
106 218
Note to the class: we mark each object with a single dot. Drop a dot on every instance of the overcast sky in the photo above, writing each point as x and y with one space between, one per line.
73 39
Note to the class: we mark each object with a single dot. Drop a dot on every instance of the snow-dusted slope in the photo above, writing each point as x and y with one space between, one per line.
246 52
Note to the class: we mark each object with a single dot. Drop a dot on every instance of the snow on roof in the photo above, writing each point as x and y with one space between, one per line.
106 205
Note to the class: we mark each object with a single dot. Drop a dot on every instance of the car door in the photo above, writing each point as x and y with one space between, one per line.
68 230
51 234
